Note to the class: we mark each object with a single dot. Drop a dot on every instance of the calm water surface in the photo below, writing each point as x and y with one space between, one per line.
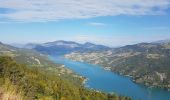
107 81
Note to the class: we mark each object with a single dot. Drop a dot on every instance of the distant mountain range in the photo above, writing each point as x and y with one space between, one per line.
26 74
162 41
63 47
35 59
147 63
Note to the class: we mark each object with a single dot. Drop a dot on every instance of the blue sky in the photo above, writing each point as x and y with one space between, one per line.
108 22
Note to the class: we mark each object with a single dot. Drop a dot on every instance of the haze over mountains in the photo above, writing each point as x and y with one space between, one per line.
62 47
146 63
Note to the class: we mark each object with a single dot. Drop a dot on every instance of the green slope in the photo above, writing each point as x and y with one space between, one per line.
34 59
30 83
146 63
29 75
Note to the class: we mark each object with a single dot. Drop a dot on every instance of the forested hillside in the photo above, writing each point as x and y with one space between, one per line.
30 83
34 59
146 63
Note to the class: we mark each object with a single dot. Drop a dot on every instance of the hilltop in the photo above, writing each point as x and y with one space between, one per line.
64 47
146 63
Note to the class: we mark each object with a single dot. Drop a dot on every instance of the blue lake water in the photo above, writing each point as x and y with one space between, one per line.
107 81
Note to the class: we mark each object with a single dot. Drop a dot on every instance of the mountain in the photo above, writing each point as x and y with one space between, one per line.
4 47
66 44
95 47
24 56
33 58
162 41
63 47
26 46
146 63
29 46
28 75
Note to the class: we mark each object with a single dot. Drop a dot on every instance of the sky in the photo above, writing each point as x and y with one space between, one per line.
108 22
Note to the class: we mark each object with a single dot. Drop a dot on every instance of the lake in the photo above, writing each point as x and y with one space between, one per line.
110 82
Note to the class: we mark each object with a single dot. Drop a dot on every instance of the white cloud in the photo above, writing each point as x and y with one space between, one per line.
96 24
118 40
50 10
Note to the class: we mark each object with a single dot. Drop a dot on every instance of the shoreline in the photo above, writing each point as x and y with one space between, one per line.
132 78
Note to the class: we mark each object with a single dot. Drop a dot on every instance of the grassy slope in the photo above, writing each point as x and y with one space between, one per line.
40 79
35 59
30 83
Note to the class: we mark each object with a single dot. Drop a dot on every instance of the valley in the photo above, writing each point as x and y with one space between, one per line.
84 50
145 63
28 75
100 79
35 59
